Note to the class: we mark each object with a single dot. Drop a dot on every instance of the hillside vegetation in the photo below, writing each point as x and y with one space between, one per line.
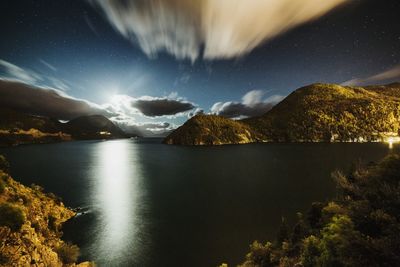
30 226
20 128
93 127
315 113
328 112
359 228
212 130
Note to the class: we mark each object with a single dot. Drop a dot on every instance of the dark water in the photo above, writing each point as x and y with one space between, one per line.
150 204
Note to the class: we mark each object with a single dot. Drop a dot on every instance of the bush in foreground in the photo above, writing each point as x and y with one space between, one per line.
68 253
4 165
11 216
359 228
2 186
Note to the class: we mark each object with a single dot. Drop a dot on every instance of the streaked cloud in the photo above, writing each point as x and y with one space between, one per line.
149 129
10 71
169 106
225 28
252 105
45 102
383 77
47 64
195 112
153 107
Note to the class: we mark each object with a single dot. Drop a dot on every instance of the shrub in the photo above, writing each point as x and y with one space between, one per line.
37 188
4 259
311 251
360 228
2 186
261 255
68 253
57 199
52 223
11 216
4 165
36 226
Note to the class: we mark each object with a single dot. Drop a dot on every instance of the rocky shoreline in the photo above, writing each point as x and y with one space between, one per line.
30 226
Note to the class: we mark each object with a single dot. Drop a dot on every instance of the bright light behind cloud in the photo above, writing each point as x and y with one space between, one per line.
226 28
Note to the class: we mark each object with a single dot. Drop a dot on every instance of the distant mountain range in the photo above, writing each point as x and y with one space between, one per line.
21 128
314 113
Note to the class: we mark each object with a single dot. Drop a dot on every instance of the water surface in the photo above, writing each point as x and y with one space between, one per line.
149 204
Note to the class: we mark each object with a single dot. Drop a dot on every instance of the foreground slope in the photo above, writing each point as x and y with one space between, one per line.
361 227
30 226
315 113
212 130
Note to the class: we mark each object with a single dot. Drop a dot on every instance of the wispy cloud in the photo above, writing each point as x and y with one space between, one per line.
46 102
252 105
148 129
226 28
10 71
91 25
170 106
47 64
385 76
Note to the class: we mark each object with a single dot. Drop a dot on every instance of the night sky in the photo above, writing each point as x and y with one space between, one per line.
74 47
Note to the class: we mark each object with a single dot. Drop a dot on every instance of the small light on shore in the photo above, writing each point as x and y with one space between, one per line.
392 140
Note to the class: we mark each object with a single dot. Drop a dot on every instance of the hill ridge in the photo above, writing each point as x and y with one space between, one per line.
319 112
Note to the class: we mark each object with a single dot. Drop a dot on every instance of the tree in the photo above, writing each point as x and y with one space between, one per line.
68 253
360 228
283 232
4 165
11 216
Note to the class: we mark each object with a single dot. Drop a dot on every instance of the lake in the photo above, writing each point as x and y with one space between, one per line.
149 204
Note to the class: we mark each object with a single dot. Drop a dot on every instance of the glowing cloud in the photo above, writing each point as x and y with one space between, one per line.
226 28
45 102
388 75
252 105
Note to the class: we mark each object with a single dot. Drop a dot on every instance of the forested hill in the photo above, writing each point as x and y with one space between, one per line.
20 128
314 113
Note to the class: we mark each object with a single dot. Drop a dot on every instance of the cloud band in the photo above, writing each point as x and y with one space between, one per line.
219 28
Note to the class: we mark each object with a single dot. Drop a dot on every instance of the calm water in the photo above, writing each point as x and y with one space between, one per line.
149 204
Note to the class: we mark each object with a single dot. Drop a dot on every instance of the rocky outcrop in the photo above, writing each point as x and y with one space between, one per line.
30 226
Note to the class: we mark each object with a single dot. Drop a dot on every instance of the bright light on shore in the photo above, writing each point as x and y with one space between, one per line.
393 140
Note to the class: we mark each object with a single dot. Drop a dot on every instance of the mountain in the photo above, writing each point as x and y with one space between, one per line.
328 112
93 127
14 120
212 130
314 113
21 128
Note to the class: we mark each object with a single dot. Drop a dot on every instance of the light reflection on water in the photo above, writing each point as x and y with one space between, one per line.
117 195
